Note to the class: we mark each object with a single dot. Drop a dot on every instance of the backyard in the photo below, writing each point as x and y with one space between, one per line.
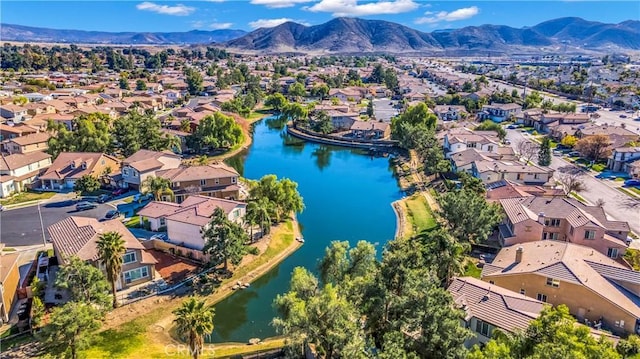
419 215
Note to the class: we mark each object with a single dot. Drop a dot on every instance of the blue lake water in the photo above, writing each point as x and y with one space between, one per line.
347 195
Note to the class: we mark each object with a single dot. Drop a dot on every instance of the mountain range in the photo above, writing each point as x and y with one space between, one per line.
9 32
353 35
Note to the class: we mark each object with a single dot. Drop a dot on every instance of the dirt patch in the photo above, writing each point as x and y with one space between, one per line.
173 269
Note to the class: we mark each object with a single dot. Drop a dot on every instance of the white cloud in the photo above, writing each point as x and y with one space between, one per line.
456 15
178 10
220 25
352 8
273 22
276 4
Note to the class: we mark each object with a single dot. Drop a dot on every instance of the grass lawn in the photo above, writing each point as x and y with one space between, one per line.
419 215
26 197
636 190
628 192
135 339
578 197
471 270
255 116
133 222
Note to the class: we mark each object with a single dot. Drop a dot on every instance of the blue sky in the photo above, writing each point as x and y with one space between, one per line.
160 15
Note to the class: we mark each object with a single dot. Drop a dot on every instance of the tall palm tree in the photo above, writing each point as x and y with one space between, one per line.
158 186
194 320
110 250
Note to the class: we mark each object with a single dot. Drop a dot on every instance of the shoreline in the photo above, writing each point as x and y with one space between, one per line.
248 138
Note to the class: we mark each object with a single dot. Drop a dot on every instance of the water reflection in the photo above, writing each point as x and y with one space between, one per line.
323 156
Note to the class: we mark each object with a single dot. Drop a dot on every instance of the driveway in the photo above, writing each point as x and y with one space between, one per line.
617 205
21 226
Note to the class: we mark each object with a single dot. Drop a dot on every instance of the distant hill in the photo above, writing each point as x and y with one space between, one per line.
353 35
9 32
347 35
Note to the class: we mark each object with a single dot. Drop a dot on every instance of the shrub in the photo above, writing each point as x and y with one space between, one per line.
598 167
253 250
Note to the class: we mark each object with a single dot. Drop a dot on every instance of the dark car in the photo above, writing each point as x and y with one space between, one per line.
83 206
112 214
119 191
632 182
103 198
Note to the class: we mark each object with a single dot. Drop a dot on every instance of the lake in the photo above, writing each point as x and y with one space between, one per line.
347 195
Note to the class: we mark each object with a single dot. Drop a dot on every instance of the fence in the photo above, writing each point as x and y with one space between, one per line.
194 254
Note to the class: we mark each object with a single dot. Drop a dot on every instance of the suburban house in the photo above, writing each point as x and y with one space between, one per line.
77 236
70 166
29 143
622 157
13 113
533 219
499 112
488 307
185 222
20 169
610 131
9 282
548 122
371 130
450 112
493 170
504 189
347 93
598 290
214 180
462 161
144 163
459 139
342 120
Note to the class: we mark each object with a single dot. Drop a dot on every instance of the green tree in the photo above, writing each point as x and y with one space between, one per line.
276 101
554 334
322 123
134 132
417 115
111 248
489 125
370 108
217 131
141 85
534 99
224 240
448 255
194 320
69 330
194 80
158 186
85 283
86 184
544 154
90 133
295 112
321 91
296 90
123 82
259 212
468 216
282 195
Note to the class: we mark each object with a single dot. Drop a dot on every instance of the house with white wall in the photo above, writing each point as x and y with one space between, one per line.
144 163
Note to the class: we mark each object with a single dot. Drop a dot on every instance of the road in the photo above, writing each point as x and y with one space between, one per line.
383 109
21 226
617 205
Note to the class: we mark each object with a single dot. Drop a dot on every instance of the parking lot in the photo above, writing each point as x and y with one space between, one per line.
21 226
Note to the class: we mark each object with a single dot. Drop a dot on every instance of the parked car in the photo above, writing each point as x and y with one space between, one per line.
512 127
142 197
103 198
84 205
574 154
112 214
557 153
632 182
623 116
119 191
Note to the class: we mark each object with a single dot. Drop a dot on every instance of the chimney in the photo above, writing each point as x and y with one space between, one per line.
519 254
541 217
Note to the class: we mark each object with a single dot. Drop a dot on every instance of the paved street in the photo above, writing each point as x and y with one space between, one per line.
617 205
383 109
21 226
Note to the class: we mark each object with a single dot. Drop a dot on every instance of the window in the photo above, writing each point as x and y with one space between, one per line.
129 257
553 282
234 179
552 222
135 274
483 328
125 172
523 292
491 282
163 221
175 184
490 148
203 182
612 252
217 181
519 176
135 173
542 297
571 230
589 234
550 235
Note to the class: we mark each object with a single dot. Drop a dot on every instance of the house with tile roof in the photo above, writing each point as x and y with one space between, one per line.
596 288
515 171
185 222
144 163
533 219
459 139
9 282
488 307
68 167
214 180
21 169
29 143
77 236
499 112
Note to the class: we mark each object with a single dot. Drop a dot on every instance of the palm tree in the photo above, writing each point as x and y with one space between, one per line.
261 211
110 250
251 218
194 320
158 186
